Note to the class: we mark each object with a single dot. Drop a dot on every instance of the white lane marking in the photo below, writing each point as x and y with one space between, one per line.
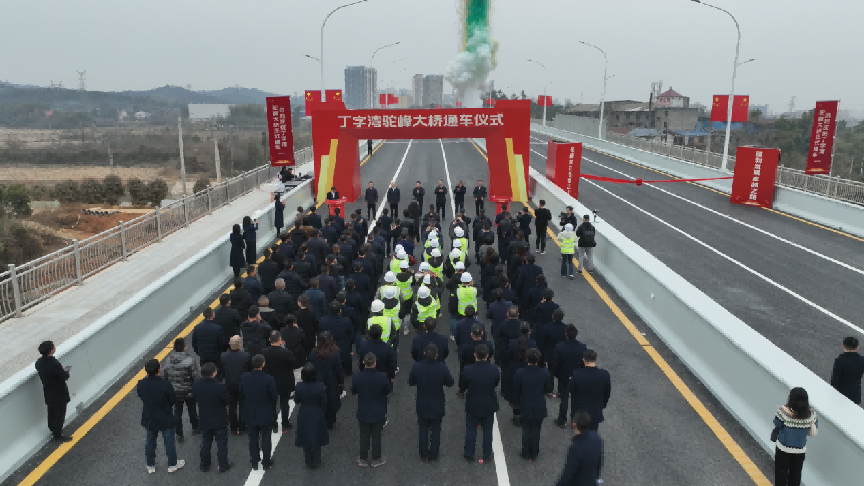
772 235
255 477
447 171
727 257
498 451
736 262
384 203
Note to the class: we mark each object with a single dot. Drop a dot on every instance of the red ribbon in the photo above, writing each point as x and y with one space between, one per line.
639 182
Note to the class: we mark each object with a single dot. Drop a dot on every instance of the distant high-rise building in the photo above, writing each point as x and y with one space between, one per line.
357 83
418 89
433 90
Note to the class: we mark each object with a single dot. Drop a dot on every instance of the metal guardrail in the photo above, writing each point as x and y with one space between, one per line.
24 286
831 187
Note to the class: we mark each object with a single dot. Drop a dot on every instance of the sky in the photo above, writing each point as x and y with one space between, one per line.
809 50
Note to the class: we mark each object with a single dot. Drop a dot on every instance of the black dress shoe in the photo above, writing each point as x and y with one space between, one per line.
61 438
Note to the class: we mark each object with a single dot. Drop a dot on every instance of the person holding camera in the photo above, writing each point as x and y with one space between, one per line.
568 218
586 233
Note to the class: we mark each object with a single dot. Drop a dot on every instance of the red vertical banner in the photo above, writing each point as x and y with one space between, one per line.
279 126
564 165
755 176
382 99
822 138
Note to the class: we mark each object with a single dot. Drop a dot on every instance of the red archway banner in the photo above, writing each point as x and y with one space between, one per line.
506 128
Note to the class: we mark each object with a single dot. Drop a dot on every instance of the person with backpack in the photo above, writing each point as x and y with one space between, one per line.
586 245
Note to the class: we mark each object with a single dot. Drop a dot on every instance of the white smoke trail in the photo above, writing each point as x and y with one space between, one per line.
470 69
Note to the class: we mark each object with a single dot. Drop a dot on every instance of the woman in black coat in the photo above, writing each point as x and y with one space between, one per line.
328 363
311 434
279 215
237 260
249 236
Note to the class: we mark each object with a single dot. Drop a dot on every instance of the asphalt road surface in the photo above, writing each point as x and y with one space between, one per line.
653 435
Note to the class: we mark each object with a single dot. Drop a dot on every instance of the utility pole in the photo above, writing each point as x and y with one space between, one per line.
110 158
182 161
218 162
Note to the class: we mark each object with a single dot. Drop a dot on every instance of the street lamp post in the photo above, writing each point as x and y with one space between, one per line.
371 88
322 40
732 92
545 85
603 96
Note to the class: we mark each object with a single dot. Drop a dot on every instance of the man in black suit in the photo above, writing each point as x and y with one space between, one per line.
314 218
258 390
268 270
53 376
440 198
480 195
542 216
207 339
585 455
371 387
333 194
530 386
467 350
240 299
342 330
212 399
847 371
590 388
430 376
477 385
385 356
157 415
228 320
422 341
280 365
234 363
328 284
393 197
418 193
371 198
566 358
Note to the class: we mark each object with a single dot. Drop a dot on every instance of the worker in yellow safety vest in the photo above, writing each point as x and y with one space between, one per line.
392 307
377 317
404 280
427 252
432 236
567 238
460 237
436 263
424 307
394 262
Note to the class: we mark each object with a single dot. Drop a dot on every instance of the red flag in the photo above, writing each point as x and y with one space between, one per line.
822 138
458 104
437 106
755 176
544 100
333 94
392 99
740 108
313 95
382 99
279 126
49 112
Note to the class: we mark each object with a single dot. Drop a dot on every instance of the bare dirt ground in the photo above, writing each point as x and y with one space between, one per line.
69 223
37 174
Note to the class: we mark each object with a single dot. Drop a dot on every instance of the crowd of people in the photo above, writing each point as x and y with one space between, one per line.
338 298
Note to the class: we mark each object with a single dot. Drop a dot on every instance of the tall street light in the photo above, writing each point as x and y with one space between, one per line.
323 89
732 91
603 96
371 88
544 89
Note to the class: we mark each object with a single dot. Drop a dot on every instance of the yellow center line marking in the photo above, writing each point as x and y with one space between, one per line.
91 422
373 152
781 213
734 449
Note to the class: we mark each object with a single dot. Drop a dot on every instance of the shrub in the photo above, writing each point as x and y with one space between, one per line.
66 192
40 193
157 190
16 199
200 185
91 192
137 191
112 190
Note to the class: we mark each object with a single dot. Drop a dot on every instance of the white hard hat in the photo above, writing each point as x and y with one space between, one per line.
403 264
427 279
398 249
433 233
460 266
433 243
389 293
377 306
424 292
455 253
390 277
459 231
568 227
436 252
466 277
424 267
401 255
457 244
